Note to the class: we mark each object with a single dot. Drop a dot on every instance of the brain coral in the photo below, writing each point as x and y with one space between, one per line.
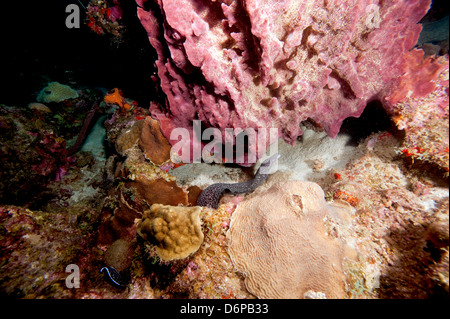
273 64
278 241
176 230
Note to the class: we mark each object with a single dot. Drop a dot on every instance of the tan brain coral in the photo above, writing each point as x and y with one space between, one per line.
278 241
176 230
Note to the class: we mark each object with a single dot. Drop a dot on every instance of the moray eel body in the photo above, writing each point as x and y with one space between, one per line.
211 195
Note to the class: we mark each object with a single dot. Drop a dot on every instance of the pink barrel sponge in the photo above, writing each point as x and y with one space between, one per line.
275 63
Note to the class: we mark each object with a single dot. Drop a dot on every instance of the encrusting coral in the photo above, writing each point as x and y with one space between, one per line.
278 241
159 191
153 143
421 108
176 230
128 138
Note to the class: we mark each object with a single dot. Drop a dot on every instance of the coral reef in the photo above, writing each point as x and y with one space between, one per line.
32 154
38 245
421 109
93 206
105 17
160 191
396 205
387 211
276 63
128 138
175 230
138 183
34 252
208 273
38 143
122 123
277 240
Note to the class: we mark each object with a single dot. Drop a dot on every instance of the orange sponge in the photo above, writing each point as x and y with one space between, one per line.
116 98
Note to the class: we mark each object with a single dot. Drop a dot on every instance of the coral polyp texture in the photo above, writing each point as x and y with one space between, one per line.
252 64
176 230
278 241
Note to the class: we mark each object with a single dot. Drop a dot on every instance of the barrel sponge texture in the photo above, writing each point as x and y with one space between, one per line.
176 230
278 241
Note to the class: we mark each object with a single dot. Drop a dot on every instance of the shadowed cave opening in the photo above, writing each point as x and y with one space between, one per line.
373 119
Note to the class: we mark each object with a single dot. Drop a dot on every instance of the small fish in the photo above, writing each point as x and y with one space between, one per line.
114 276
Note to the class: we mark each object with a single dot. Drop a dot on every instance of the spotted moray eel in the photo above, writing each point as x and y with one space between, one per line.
211 195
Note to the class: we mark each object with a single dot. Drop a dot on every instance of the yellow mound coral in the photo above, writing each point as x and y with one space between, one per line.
278 240
176 230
